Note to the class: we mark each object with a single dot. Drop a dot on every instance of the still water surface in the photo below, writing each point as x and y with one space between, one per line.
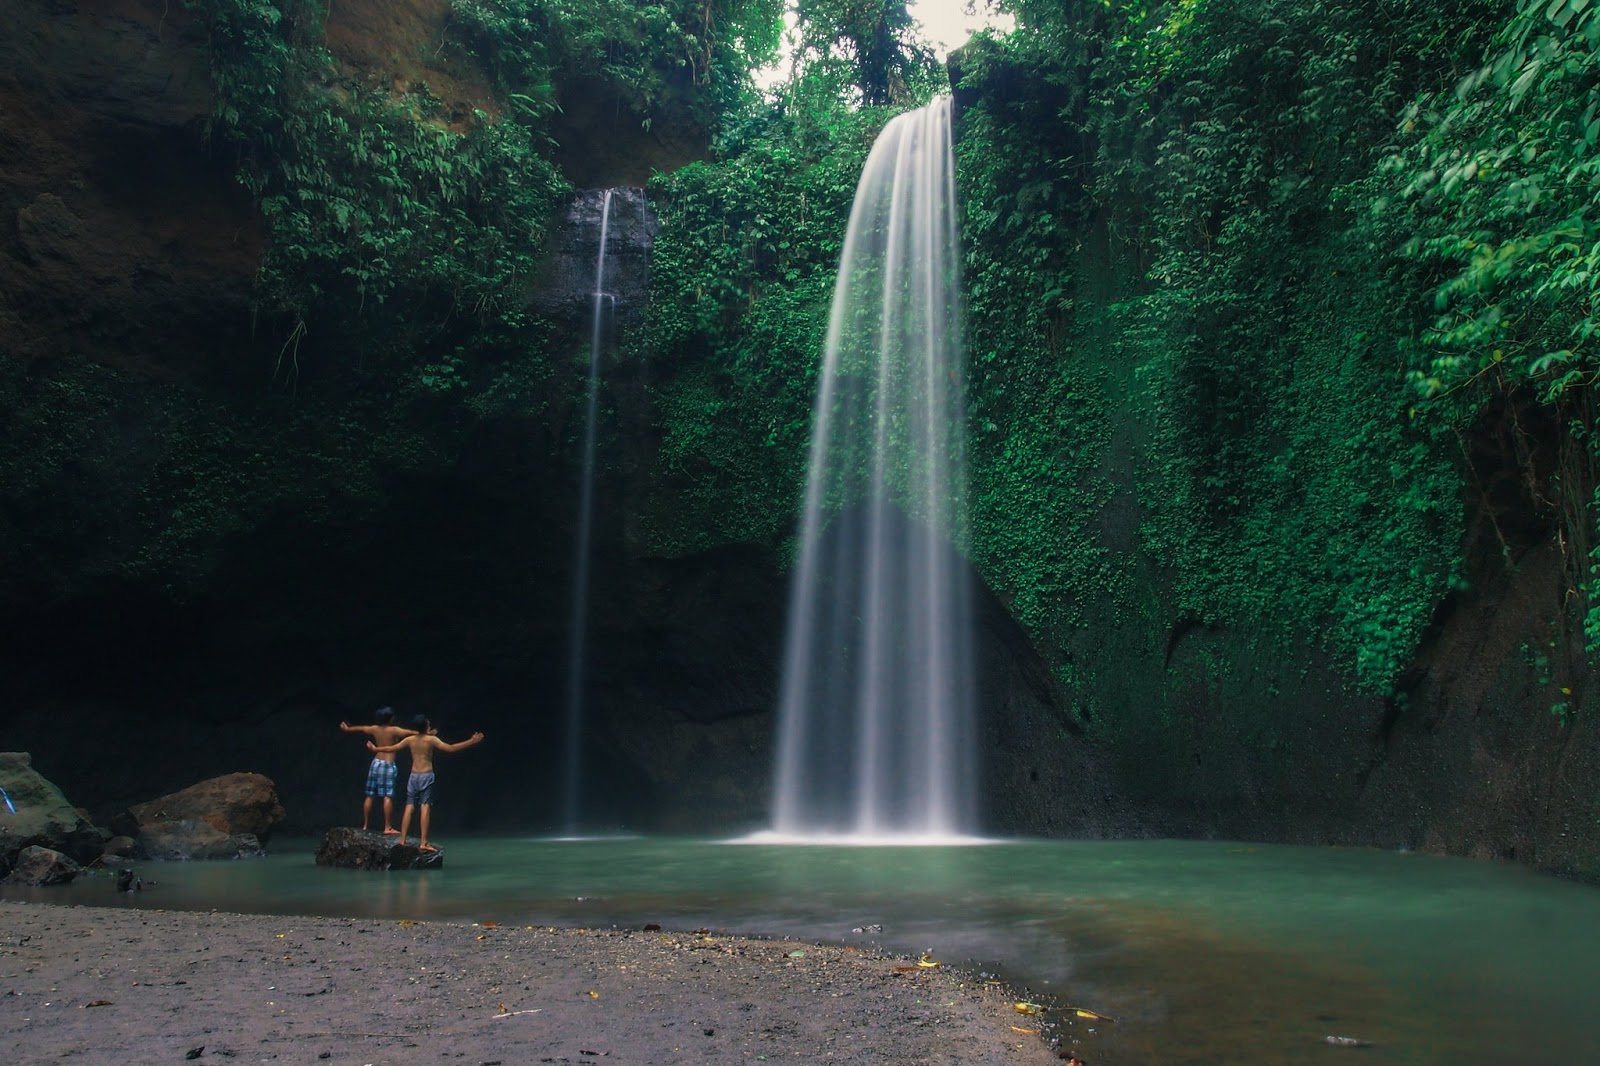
1202 952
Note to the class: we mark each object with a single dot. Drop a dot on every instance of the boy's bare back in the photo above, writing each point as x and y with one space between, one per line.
384 735
421 746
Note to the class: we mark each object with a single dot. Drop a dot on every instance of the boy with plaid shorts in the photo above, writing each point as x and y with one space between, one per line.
382 772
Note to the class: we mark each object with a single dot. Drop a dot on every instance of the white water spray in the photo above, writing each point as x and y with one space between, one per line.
876 735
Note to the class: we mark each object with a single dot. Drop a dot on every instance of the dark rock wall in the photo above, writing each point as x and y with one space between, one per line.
123 238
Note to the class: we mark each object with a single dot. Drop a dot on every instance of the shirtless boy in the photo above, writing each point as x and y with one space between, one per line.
381 774
419 786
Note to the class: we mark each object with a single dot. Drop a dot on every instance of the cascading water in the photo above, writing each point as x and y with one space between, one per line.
579 622
876 734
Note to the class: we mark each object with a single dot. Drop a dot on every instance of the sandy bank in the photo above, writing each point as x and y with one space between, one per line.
81 984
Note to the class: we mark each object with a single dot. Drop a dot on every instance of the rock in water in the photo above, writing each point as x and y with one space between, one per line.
41 816
42 866
227 817
354 849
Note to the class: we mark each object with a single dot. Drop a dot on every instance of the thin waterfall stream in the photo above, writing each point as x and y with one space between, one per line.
876 706
583 547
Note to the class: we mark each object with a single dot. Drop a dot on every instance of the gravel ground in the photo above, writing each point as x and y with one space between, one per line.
91 985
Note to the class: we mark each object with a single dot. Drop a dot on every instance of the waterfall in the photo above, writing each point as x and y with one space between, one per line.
583 549
876 706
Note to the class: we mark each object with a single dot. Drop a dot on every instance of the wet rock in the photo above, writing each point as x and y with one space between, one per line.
566 288
354 849
42 866
227 817
232 803
42 817
120 845
186 839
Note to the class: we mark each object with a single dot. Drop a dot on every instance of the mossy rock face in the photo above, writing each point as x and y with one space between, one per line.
42 816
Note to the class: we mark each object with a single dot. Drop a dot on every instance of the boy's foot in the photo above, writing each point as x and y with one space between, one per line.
391 832
426 847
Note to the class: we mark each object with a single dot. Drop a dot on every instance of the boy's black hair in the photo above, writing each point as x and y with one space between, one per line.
420 723
384 715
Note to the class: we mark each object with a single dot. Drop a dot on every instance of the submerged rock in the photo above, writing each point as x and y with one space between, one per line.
356 849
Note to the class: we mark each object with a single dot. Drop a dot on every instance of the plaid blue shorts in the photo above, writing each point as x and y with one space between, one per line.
380 778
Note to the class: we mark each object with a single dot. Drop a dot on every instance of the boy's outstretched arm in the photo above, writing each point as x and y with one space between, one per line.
476 738
396 746
346 727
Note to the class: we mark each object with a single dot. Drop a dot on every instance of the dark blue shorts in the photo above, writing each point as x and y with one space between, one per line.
419 788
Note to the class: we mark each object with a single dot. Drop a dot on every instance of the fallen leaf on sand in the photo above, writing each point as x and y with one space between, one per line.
407 921
1019 1029
98 1003
594 995
1024 1007
489 925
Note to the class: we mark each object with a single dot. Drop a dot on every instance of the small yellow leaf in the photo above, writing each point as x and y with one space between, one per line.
1091 1015
594 995
1025 1007
1019 1029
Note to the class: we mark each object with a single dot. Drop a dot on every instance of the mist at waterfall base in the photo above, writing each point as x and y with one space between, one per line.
875 734
1202 952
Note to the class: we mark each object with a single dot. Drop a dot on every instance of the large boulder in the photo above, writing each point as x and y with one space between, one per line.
356 849
226 817
43 816
42 866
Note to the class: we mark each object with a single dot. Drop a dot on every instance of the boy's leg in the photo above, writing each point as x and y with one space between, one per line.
405 821
422 841
366 812
388 816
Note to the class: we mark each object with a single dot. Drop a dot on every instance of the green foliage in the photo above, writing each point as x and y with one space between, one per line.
1504 185
871 42
370 195
638 51
1168 217
120 475
741 276
1498 182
